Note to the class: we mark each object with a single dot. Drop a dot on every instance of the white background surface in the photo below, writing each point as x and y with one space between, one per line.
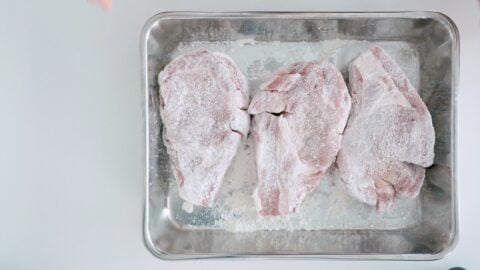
70 112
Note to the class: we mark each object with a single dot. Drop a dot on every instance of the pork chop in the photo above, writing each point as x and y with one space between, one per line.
299 119
389 137
203 101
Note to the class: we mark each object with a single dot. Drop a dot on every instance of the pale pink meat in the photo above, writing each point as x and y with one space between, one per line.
299 119
389 137
203 101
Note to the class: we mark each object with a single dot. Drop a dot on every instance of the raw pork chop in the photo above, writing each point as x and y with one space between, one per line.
299 119
203 101
389 138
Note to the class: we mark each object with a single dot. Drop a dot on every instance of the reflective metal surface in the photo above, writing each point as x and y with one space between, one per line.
424 44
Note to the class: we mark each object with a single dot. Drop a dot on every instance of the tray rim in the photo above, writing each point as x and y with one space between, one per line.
439 16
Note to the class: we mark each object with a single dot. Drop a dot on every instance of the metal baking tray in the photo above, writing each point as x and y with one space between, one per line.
330 224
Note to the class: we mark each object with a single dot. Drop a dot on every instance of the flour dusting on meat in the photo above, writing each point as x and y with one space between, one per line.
298 122
203 101
389 138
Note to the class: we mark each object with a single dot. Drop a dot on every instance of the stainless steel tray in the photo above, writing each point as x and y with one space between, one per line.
330 223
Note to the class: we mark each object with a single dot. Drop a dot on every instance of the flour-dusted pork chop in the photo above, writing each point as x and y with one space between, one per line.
389 137
299 119
203 101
